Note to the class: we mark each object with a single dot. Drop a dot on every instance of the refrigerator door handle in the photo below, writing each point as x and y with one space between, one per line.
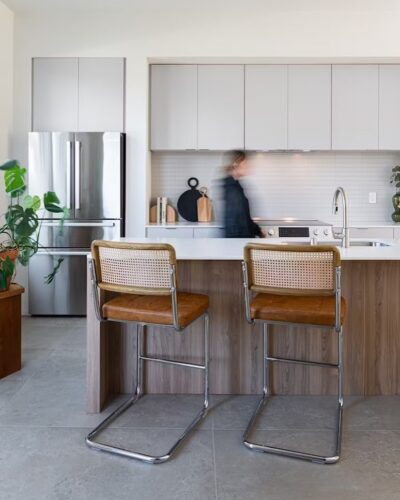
63 253
79 224
70 148
78 145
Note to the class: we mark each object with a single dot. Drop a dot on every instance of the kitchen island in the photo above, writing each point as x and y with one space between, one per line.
370 285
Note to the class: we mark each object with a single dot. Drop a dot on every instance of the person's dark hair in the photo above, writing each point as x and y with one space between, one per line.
233 160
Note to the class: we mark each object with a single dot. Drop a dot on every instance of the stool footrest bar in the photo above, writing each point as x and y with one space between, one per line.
300 362
172 362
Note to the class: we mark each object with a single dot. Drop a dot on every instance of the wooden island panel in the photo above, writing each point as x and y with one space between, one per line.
372 345
382 328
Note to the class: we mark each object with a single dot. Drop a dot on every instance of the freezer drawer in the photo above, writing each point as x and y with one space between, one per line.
67 294
74 234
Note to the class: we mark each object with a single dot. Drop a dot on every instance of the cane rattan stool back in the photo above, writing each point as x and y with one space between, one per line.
292 270
137 268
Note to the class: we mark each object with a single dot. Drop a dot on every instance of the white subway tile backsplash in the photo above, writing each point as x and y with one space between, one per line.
289 184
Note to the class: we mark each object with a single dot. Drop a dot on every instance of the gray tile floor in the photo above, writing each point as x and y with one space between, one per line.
43 424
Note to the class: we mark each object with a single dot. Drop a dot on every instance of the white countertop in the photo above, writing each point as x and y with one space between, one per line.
232 248
354 225
197 225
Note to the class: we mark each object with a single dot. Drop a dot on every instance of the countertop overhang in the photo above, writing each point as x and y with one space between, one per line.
232 248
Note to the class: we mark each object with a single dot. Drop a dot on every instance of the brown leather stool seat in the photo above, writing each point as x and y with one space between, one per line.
155 308
309 309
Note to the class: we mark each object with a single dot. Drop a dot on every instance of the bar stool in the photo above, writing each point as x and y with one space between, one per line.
295 285
144 275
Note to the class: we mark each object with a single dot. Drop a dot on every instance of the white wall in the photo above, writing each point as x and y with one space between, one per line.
6 89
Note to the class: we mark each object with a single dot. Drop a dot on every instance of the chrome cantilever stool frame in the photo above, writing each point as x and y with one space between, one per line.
268 259
138 287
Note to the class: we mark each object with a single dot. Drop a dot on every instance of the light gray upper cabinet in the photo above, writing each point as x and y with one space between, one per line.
309 107
101 94
266 107
221 107
78 94
173 107
389 106
273 107
355 106
55 94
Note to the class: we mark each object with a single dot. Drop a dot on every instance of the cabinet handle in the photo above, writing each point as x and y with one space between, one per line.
79 224
62 253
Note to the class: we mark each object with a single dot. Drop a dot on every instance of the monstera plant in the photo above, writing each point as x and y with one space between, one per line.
20 229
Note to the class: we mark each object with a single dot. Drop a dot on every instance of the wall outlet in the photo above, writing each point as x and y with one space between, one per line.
372 197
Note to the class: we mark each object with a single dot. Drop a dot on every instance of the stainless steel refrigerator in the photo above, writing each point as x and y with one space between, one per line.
87 172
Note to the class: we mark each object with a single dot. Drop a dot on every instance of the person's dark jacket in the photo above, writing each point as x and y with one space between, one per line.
238 223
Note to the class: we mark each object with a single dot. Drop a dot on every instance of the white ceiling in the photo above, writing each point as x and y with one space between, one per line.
44 5
274 5
40 5
65 5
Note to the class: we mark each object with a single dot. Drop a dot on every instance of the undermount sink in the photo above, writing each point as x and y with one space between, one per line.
368 244
338 243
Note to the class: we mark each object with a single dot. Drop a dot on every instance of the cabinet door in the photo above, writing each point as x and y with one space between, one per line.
55 94
265 107
173 107
309 107
221 107
208 232
389 106
355 106
101 94
169 232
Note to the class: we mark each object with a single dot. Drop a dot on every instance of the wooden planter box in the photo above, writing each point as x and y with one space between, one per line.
10 330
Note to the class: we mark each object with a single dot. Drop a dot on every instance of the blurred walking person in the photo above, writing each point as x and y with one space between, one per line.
237 219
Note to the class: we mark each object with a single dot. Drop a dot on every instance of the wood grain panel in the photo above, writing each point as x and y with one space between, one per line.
97 386
353 290
312 344
382 310
371 341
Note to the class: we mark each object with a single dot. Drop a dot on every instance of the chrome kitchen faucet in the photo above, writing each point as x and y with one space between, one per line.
345 234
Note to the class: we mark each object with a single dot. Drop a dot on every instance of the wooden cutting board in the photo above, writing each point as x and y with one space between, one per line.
204 207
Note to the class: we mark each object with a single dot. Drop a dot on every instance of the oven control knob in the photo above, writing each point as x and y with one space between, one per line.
271 232
326 232
316 232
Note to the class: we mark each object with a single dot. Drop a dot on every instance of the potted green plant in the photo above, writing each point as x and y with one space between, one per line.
20 229
395 179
